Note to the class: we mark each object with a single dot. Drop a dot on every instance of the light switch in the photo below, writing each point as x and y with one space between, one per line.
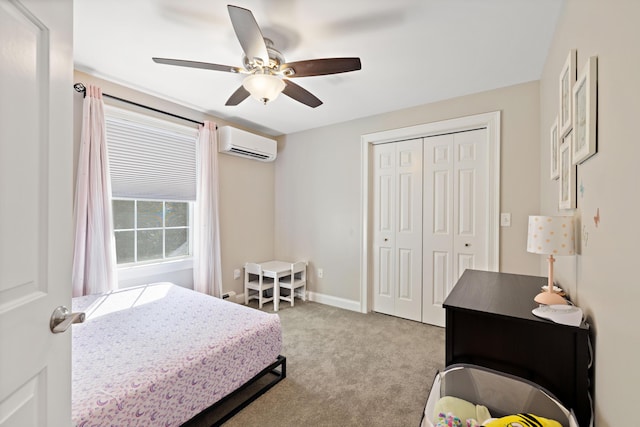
505 220
236 274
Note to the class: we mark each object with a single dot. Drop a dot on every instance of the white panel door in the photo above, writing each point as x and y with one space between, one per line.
455 214
409 230
438 205
36 171
384 227
397 246
471 190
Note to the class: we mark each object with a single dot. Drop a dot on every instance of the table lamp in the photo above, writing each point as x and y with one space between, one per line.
550 235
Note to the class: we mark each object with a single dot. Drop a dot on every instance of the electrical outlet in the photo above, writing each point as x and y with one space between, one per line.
320 273
505 219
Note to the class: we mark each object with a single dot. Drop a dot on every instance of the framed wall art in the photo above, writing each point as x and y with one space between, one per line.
566 81
585 111
567 181
554 150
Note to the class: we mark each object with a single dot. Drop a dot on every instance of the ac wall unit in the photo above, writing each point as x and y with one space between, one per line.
246 144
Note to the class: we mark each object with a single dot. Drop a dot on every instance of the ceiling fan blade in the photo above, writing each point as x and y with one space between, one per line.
320 67
196 64
248 33
300 94
238 96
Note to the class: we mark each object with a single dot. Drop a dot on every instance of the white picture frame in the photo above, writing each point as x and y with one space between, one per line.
567 181
566 82
554 148
585 112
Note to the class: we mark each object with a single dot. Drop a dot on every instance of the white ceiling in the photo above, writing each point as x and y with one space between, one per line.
413 52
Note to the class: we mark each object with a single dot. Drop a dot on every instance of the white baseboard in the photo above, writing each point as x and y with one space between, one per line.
321 299
346 304
239 298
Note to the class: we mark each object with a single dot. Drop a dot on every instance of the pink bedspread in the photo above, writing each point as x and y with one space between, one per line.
159 354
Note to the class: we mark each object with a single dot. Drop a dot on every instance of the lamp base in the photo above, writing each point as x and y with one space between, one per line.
549 298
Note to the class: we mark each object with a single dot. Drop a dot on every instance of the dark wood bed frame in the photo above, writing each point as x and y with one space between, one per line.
228 406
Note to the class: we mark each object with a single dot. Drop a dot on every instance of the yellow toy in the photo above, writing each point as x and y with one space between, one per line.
523 420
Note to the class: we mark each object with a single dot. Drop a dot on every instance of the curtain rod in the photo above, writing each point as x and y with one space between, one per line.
79 87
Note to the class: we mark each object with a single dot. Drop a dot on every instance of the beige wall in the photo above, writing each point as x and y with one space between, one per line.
316 214
318 185
246 192
601 278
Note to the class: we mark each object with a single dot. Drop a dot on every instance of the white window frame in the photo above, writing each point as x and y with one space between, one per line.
140 270
135 229
127 272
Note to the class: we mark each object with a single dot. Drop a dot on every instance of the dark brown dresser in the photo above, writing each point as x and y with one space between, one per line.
489 323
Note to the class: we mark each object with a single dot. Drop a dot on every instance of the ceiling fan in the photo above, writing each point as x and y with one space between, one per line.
267 72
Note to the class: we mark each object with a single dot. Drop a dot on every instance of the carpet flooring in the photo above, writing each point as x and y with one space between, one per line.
348 369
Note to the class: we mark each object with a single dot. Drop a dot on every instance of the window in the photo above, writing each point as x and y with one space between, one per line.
153 177
151 230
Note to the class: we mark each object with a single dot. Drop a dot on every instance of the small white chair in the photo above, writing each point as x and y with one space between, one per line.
256 282
297 279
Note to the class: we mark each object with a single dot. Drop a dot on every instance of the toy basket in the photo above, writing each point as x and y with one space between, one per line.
501 393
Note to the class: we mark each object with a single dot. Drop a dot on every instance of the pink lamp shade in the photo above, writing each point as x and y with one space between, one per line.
551 235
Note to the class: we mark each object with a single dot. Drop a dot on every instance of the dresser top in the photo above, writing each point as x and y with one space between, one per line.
502 294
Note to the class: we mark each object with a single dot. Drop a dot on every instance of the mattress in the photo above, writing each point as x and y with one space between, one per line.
159 354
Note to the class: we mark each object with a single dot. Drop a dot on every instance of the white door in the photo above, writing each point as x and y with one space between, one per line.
36 174
397 234
455 214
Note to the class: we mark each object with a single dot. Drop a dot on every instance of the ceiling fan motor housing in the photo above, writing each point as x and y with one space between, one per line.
276 58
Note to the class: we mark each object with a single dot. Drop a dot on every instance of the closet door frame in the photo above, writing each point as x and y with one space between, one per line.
490 121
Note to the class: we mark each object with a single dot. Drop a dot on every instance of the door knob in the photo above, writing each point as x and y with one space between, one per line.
467 244
386 239
62 318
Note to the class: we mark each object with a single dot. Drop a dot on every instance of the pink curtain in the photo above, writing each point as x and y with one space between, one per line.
94 258
207 269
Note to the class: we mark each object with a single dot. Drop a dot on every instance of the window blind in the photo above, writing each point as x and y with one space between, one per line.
150 158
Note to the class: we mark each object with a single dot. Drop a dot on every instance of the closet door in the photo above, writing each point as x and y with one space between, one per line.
397 224
455 214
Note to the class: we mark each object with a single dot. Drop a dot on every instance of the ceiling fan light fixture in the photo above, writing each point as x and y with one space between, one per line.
263 87
268 73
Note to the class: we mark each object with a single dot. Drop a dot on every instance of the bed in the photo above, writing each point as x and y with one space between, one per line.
159 354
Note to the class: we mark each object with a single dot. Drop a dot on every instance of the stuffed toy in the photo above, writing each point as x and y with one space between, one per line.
447 420
462 409
523 420
450 420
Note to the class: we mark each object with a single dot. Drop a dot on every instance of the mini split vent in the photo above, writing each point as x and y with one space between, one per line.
245 144
245 153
